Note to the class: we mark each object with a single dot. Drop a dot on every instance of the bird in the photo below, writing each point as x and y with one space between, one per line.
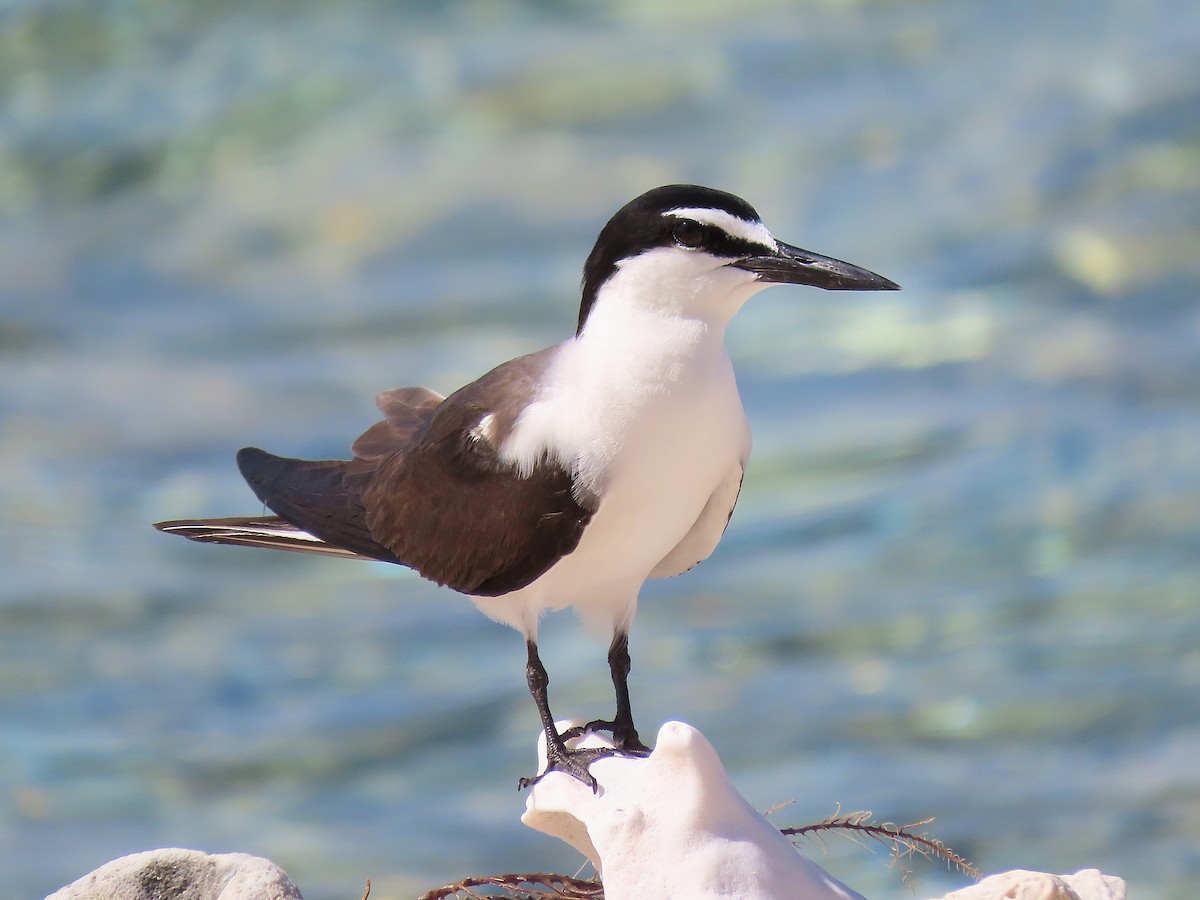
570 476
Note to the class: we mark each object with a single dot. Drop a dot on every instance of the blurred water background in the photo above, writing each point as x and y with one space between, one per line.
963 577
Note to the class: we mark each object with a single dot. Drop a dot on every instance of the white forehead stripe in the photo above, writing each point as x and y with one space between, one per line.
756 232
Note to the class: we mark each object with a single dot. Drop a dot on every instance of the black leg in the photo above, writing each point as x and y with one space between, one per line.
624 733
558 758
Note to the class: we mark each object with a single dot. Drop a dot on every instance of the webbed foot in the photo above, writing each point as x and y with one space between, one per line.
573 762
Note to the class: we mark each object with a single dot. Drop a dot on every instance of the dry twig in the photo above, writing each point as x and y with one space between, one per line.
902 839
530 886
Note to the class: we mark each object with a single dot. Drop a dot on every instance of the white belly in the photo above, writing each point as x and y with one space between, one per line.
660 482
655 463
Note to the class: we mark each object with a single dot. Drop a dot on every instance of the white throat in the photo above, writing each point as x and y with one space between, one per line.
676 282
652 349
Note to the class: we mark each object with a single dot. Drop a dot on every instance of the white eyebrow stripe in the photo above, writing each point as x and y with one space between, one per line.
755 232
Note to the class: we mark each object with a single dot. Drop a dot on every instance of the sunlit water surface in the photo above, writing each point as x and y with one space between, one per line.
962 580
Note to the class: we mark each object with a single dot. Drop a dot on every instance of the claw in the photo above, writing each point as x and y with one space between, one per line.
576 761
570 762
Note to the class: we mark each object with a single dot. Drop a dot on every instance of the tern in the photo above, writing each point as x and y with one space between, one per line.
570 476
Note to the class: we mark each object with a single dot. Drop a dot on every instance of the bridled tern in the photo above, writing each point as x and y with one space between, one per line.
569 476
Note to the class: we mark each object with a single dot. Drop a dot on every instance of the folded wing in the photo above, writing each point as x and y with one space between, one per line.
426 488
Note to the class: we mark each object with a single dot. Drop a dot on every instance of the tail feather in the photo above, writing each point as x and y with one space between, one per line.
260 531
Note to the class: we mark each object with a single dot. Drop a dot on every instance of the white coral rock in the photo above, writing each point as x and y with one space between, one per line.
672 825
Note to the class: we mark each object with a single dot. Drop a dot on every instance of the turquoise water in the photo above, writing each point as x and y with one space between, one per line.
962 581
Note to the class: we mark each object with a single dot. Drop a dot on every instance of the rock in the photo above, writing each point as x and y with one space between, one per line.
183 875
1087 884
669 825
672 825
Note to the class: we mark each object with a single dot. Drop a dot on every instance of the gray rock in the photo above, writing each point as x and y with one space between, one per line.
183 875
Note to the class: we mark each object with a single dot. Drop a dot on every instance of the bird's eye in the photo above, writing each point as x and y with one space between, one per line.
688 233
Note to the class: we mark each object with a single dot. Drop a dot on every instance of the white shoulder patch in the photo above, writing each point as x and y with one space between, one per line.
485 430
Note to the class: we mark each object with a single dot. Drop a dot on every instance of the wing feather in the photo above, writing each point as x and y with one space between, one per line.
453 509
317 496
427 488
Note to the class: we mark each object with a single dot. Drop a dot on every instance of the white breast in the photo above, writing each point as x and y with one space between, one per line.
645 412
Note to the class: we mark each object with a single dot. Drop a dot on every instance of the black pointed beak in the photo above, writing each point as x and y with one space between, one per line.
792 265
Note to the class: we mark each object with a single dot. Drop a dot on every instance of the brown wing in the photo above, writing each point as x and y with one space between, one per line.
448 506
406 411
320 497
428 490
